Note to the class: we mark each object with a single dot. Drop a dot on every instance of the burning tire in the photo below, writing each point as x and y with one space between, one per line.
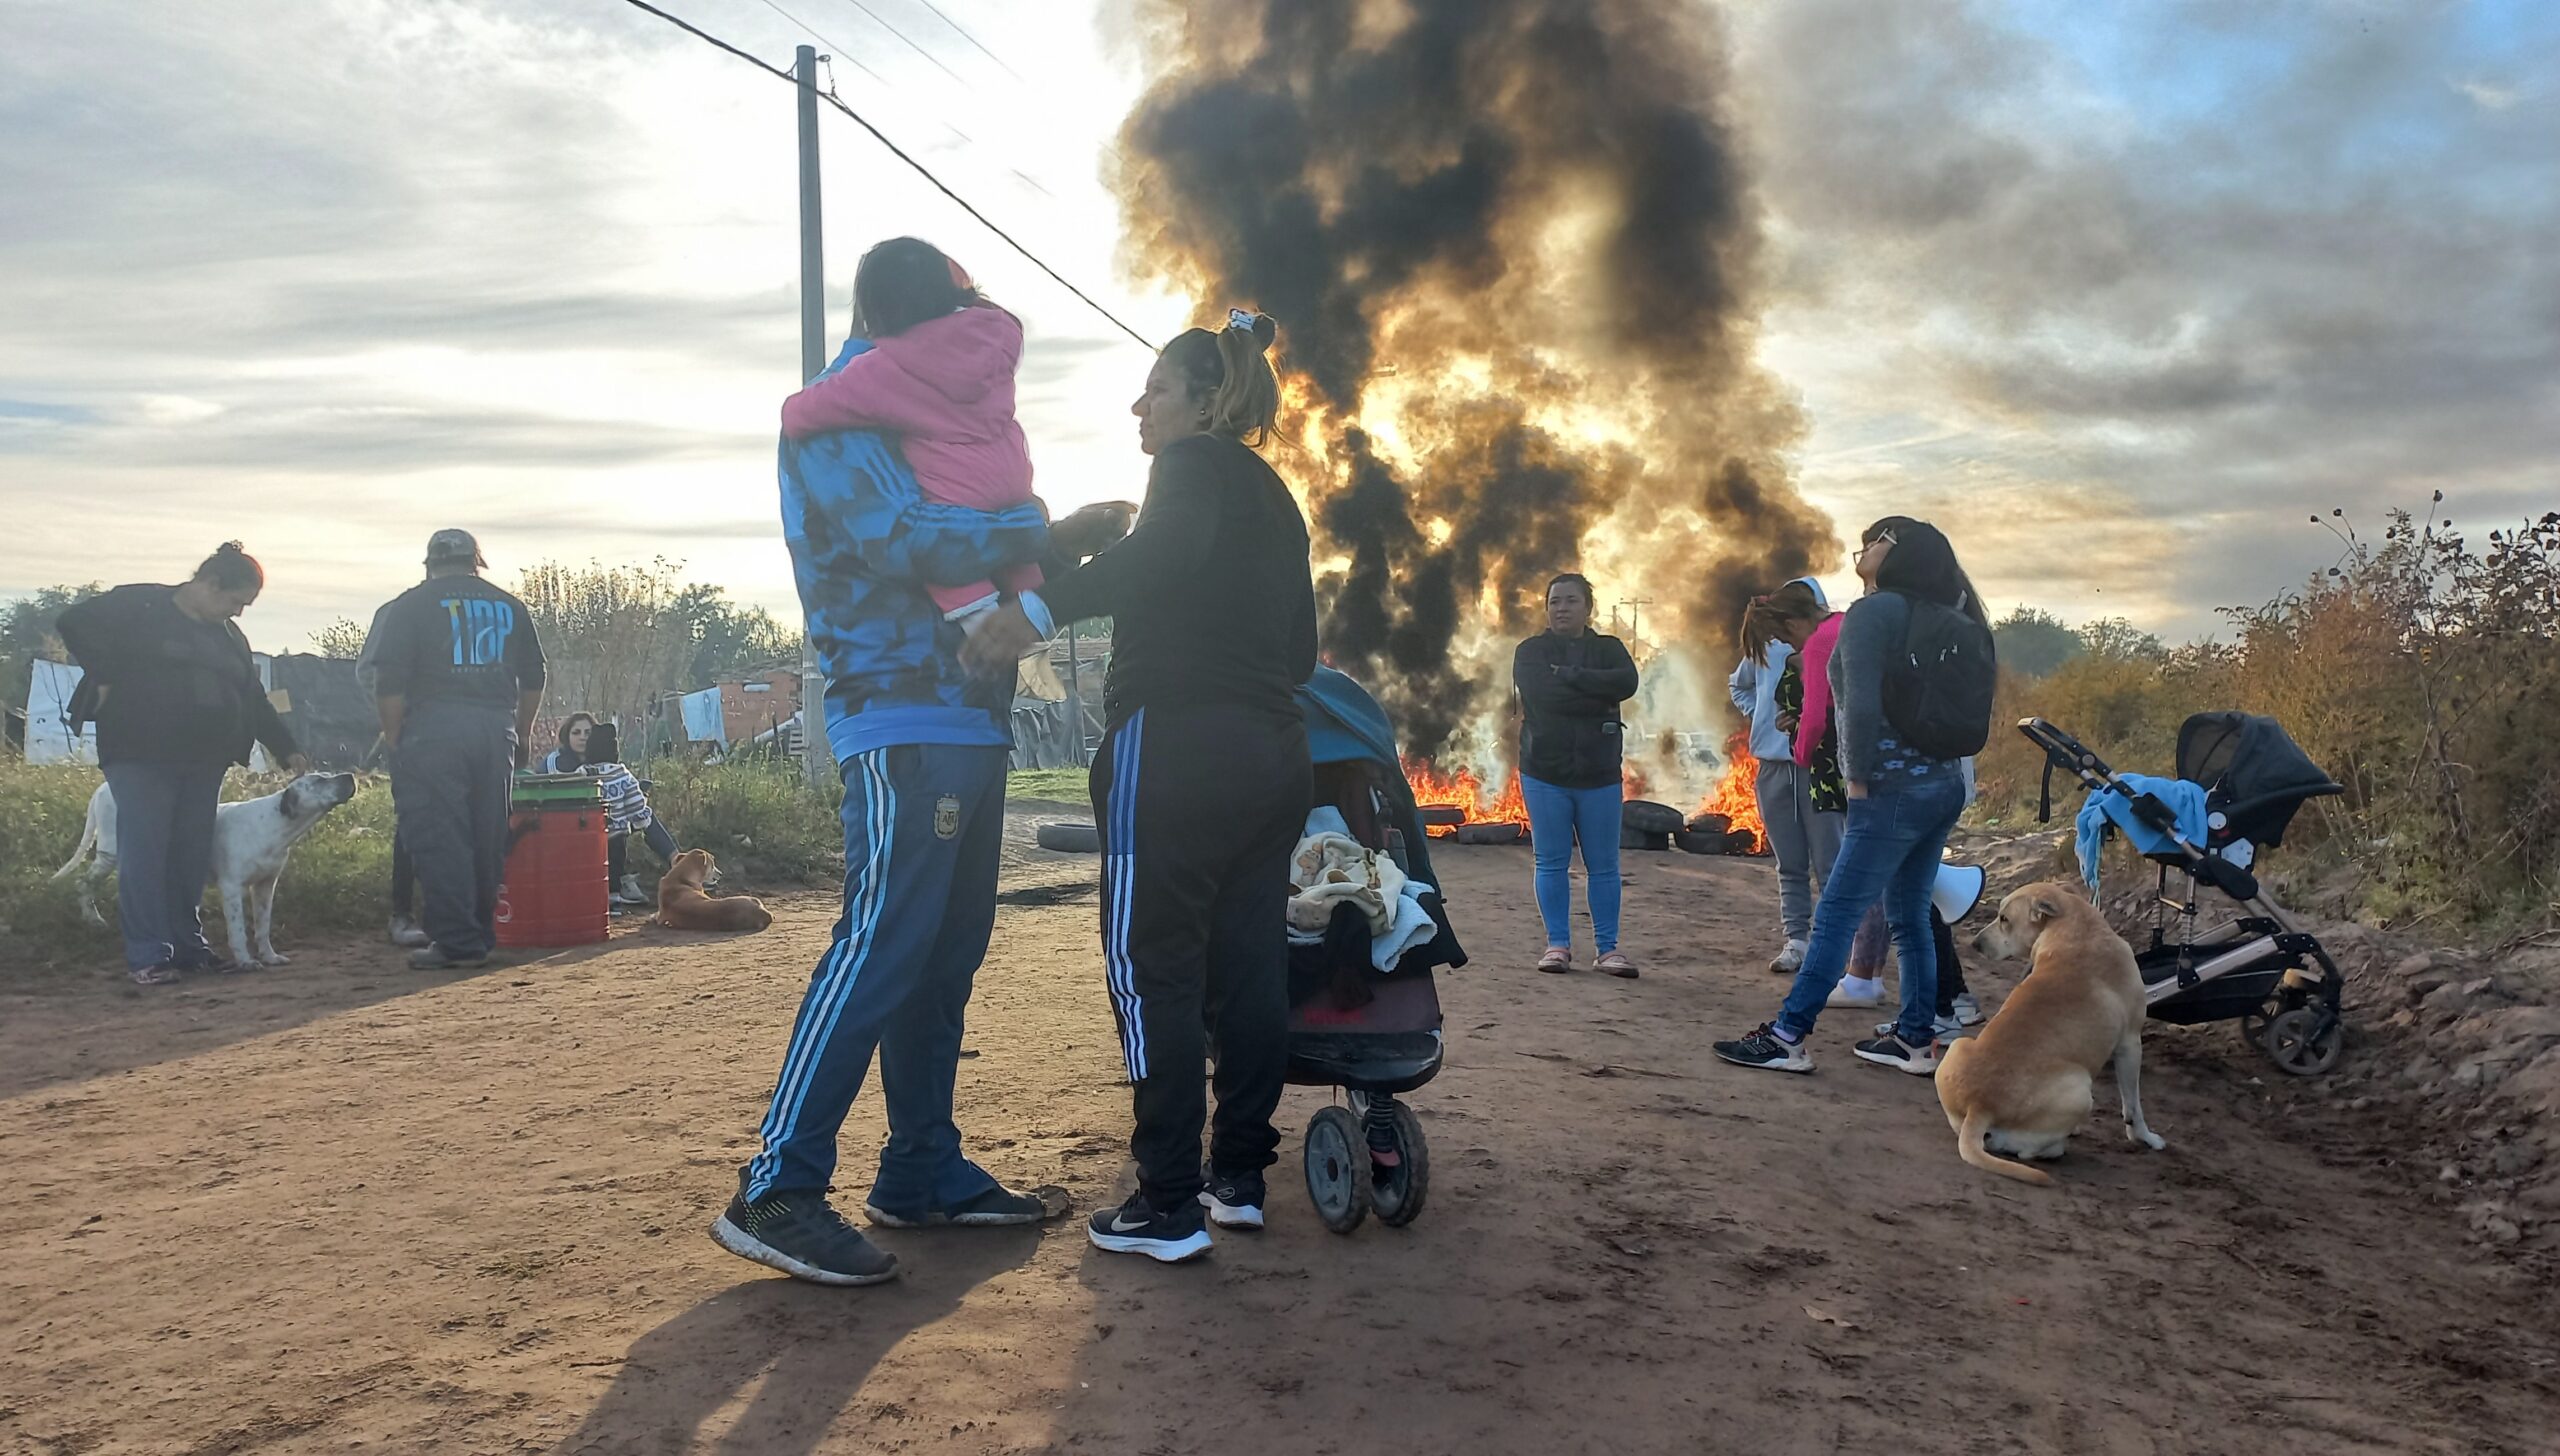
1640 839
1647 817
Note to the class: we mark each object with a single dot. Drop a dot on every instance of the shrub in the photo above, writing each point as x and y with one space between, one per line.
339 878
756 814
766 827
2423 675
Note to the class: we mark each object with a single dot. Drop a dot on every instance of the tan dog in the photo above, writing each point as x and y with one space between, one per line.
2022 1086
684 905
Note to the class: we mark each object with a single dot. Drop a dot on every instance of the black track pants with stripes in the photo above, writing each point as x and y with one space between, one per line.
1200 809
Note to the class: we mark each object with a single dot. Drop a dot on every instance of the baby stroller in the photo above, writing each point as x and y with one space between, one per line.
2264 970
1373 1033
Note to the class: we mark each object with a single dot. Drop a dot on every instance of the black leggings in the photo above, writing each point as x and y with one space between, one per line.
1950 968
1199 810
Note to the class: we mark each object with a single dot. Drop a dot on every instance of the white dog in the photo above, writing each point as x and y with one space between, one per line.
250 841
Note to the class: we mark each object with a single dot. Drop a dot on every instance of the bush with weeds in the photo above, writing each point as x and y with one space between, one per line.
2422 673
765 826
759 818
339 877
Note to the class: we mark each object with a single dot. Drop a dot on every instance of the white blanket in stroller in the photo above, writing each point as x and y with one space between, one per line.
1331 868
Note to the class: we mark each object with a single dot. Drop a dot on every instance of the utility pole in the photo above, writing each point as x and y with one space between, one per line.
813 262
817 758
1635 617
1075 704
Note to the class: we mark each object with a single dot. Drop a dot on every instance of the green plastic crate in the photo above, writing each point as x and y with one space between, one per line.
558 791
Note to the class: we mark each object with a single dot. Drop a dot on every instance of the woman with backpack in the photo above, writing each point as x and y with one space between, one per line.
1911 679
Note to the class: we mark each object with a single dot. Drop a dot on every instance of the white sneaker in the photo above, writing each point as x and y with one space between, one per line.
1855 993
1790 960
1968 1012
1944 1028
632 894
406 934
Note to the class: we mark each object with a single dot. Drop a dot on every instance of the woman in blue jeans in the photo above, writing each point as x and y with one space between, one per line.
167 677
1902 804
1569 681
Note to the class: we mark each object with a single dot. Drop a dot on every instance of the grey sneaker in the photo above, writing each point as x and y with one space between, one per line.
1943 1028
406 934
437 958
1767 1050
803 1236
1892 1051
1967 1011
997 1207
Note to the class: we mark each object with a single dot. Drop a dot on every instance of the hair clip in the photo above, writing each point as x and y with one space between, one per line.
1240 320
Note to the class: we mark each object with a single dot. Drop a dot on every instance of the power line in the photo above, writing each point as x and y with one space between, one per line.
957 30
839 47
909 42
898 152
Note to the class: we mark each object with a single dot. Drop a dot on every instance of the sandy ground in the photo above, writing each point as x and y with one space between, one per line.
344 1207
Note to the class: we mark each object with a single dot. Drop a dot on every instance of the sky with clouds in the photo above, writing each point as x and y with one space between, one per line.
2120 294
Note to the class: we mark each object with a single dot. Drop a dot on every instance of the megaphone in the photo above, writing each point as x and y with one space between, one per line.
1957 891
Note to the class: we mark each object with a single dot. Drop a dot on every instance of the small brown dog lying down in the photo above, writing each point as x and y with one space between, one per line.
683 905
2022 1085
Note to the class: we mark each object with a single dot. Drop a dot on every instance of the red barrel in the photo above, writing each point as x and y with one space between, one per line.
553 891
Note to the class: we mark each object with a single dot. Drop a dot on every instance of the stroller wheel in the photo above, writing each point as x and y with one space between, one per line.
2253 1027
1399 1191
2293 1044
1337 1169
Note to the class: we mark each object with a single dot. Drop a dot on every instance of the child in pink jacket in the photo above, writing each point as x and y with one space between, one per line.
939 376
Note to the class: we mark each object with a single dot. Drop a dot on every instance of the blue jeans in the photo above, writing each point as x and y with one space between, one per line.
923 827
1896 836
1557 818
164 853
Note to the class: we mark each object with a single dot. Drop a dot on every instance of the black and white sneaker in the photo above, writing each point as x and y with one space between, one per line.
997 1207
1945 1028
1234 1200
1892 1051
801 1235
1166 1235
1764 1048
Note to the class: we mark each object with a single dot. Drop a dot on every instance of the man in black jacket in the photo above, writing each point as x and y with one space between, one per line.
1570 681
458 679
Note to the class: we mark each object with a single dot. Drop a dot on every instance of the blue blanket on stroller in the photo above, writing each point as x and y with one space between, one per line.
2108 809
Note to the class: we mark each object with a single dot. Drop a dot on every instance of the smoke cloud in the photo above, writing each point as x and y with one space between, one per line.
1515 261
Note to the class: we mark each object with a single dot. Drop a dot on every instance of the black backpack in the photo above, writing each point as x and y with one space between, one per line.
1937 692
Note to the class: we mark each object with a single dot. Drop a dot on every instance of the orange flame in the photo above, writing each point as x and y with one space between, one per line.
1733 795
1465 791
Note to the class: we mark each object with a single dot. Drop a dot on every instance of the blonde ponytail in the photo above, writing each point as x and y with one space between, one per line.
1230 374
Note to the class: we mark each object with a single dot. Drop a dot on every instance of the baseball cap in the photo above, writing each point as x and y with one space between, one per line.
452 544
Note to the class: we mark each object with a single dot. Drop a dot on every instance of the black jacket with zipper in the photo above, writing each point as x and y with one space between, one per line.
184 691
1570 689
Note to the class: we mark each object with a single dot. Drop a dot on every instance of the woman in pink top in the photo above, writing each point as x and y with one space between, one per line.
937 373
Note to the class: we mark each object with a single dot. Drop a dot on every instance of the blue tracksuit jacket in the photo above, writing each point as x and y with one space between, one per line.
864 544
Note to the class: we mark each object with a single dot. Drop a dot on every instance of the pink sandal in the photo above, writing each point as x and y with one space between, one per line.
1617 964
1557 960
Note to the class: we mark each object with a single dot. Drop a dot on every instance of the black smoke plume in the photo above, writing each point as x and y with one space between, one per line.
1513 254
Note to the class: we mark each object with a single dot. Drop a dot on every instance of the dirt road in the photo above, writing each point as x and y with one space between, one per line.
343 1207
